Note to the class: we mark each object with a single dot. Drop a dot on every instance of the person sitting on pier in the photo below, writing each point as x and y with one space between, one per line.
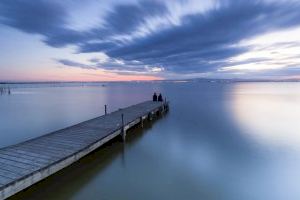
160 97
154 96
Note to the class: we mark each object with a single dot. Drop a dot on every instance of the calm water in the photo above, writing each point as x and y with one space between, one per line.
235 141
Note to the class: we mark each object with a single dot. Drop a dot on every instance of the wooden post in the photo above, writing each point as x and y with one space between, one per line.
158 112
105 109
142 122
150 116
123 129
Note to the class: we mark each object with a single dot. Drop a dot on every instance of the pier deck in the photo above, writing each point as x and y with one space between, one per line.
26 163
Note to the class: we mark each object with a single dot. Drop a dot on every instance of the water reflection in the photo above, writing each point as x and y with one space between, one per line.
270 112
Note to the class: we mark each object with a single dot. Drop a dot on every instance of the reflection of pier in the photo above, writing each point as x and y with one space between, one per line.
26 163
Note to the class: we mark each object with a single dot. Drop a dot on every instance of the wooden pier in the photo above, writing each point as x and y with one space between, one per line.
24 164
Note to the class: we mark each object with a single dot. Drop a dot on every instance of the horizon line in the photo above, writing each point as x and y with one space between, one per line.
165 80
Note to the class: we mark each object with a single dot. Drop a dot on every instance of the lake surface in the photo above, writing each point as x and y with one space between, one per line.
220 141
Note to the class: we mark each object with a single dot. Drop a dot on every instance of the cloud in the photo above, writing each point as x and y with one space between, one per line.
125 18
114 65
50 19
202 40
199 43
42 17
71 63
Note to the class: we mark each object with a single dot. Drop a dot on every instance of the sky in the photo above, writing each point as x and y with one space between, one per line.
120 40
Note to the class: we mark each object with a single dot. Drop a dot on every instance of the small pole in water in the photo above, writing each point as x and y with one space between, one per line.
123 128
9 91
105 108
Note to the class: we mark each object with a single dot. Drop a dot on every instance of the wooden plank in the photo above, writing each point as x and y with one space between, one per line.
4 180
22 160
21 164
55 145
14 169
29 153
28 157
9 174
37 151
49 149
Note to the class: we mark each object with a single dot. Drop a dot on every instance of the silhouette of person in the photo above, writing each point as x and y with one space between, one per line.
160 97
154 96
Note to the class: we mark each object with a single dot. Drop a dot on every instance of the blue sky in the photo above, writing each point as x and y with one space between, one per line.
143 40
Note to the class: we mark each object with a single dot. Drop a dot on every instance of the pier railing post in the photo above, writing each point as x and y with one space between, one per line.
123 128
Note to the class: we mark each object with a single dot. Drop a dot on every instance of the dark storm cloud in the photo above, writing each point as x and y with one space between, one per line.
202 42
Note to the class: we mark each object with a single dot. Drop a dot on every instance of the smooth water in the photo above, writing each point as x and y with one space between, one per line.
220 141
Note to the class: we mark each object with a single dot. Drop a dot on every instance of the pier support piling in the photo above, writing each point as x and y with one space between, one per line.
123 129
150 117
142 122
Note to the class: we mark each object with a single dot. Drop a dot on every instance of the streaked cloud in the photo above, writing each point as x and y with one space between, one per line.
272 52
75 64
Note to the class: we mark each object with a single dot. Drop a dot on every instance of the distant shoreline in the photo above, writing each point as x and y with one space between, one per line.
183 80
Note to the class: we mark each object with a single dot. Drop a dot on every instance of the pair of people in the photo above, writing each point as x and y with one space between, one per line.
157 98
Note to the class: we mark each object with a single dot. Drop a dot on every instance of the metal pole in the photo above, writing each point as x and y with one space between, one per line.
105 108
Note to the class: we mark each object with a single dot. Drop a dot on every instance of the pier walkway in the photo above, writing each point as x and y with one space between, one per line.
24 164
